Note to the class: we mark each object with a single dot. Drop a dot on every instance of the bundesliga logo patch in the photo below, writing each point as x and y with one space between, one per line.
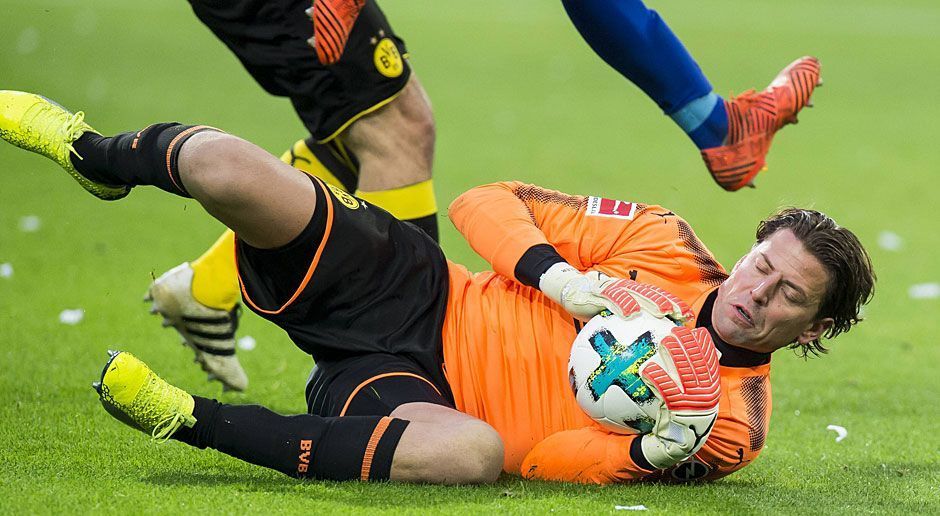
601 207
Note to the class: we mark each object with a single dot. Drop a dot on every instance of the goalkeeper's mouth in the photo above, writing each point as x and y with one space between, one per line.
744 314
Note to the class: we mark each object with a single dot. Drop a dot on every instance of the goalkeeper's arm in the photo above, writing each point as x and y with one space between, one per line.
522 230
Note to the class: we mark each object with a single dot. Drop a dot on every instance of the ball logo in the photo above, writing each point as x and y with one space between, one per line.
344 197
620 366
387 59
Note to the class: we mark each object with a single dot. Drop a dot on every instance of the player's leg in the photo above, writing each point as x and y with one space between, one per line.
371 103
734 135
438 435
440 442
437 444
395 149
370 86
199 299
266 201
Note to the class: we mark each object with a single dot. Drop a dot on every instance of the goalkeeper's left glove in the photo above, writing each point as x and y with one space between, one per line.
689 384
585 295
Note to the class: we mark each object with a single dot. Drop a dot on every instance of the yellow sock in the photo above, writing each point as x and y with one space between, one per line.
215 283
302 158
405 203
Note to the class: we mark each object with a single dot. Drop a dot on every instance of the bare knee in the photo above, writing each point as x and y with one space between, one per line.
455 449
209 161
267 202
480 459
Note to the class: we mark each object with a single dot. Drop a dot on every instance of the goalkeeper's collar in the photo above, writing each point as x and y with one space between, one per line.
731 356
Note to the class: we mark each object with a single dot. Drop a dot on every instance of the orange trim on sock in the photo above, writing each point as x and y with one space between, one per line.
379 377
313 263
373 444
169 151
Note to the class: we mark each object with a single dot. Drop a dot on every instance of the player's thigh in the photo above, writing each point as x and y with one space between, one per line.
265 201
394 144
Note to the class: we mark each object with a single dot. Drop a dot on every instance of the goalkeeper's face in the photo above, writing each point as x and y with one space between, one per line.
772 297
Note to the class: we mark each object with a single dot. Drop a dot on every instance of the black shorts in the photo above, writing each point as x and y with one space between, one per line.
374 384
359 290
269 37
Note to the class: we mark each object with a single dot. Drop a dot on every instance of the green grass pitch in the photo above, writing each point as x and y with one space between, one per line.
517 95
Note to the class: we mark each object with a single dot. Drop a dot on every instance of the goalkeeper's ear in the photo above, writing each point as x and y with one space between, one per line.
815 331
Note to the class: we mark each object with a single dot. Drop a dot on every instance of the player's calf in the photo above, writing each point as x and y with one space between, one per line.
395 149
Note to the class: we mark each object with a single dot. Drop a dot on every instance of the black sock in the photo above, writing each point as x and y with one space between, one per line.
302 446
147 157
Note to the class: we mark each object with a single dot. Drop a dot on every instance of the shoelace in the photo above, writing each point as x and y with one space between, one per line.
71 129
169 423
167 427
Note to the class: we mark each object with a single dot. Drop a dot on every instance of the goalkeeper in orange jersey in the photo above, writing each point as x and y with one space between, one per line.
428 373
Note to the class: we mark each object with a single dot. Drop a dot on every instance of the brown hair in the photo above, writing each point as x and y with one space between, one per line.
851 277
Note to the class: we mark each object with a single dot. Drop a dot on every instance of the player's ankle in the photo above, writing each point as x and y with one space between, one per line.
704 120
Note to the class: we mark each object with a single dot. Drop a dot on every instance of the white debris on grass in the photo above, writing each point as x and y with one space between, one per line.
30 224
6 270
28 41
72 316
924 291
630 508
840 431
247 343
890 241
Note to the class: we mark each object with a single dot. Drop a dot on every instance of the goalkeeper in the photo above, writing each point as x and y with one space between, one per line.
428 373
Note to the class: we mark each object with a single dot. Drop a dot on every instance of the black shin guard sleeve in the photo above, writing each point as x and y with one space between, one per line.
147 157
302 446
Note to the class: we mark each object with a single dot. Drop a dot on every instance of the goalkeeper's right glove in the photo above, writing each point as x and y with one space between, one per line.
690 387
584 295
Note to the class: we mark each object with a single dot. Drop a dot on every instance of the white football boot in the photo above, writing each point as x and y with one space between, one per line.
207 331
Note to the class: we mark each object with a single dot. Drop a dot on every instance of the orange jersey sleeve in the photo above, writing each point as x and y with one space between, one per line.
593 455
501 221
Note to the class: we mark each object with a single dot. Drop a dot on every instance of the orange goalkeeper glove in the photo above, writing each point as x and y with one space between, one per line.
685 376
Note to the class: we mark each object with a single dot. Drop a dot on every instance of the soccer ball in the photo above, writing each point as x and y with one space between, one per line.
604 370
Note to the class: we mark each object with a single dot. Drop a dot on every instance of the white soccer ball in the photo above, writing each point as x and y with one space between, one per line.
604 369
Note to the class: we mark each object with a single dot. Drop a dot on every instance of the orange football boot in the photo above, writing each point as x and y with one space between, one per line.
333 20
754 118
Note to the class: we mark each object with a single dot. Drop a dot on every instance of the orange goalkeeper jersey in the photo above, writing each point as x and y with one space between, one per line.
506 345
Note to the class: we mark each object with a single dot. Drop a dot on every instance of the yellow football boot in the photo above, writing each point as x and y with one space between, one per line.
137 397
37 124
